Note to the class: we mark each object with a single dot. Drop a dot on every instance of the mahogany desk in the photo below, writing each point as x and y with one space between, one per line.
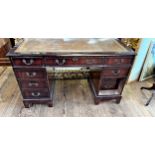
109 63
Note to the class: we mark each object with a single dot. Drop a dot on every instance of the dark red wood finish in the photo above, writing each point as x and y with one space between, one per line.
83 61
118 60
4 61
34 83
74 61
36 93
31 73
37 61
115 72
108 72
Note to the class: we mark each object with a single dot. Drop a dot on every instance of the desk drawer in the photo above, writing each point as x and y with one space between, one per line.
27 61
34 83
35 93
30 73
80 61
118 60
115 72
74 61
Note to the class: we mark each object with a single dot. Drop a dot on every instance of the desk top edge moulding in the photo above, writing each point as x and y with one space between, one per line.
79 46
107 61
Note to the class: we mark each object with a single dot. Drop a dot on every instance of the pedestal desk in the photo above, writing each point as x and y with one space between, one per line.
108 62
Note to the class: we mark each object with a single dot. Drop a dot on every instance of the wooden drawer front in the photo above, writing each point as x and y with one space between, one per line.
35 93
27 61
34 83
115 72
118 60
30 74
74 61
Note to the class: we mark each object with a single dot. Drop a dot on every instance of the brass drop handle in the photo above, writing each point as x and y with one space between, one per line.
28 61
33 84
115 72
60 62
35 94
31 74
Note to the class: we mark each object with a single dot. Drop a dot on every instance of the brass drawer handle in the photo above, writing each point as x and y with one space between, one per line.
31 74
35 94
28 61
60 62
116 72
33 84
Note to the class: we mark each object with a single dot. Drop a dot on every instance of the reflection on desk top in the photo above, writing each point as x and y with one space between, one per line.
71 46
